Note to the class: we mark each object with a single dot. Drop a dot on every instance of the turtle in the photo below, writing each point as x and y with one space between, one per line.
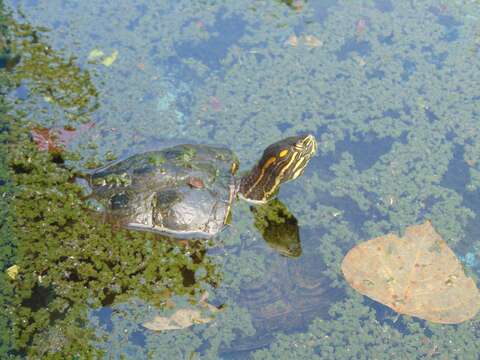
188 190
294 289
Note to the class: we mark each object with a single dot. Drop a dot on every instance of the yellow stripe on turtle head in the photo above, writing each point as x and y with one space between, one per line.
264 168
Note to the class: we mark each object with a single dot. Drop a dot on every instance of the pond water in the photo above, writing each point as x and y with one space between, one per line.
391 92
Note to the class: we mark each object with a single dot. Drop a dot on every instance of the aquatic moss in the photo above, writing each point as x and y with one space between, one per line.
7 243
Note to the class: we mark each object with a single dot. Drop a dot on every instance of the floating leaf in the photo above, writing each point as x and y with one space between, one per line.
215 103
296 5
292 41
181 319
312 41
109 60
308 40
95 54
56 139
12 272
46 140
360 26
417 274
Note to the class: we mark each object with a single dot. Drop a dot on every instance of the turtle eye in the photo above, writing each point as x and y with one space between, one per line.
283 153
299 145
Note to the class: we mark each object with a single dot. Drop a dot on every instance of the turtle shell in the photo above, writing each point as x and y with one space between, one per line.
286 299
185 190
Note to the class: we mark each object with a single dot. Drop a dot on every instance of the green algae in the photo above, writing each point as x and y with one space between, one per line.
51 76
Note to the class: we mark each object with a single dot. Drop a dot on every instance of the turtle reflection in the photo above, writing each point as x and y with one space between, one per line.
286 296
279 228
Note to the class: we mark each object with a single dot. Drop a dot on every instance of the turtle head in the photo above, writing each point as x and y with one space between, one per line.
282 161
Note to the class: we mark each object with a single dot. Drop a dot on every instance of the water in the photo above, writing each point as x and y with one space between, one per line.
389 89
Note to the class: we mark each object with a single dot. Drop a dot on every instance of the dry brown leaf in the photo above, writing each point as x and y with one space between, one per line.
55 140
292 40
181 319
417 274
312 41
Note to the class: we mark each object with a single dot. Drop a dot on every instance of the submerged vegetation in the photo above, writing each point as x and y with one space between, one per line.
391 91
